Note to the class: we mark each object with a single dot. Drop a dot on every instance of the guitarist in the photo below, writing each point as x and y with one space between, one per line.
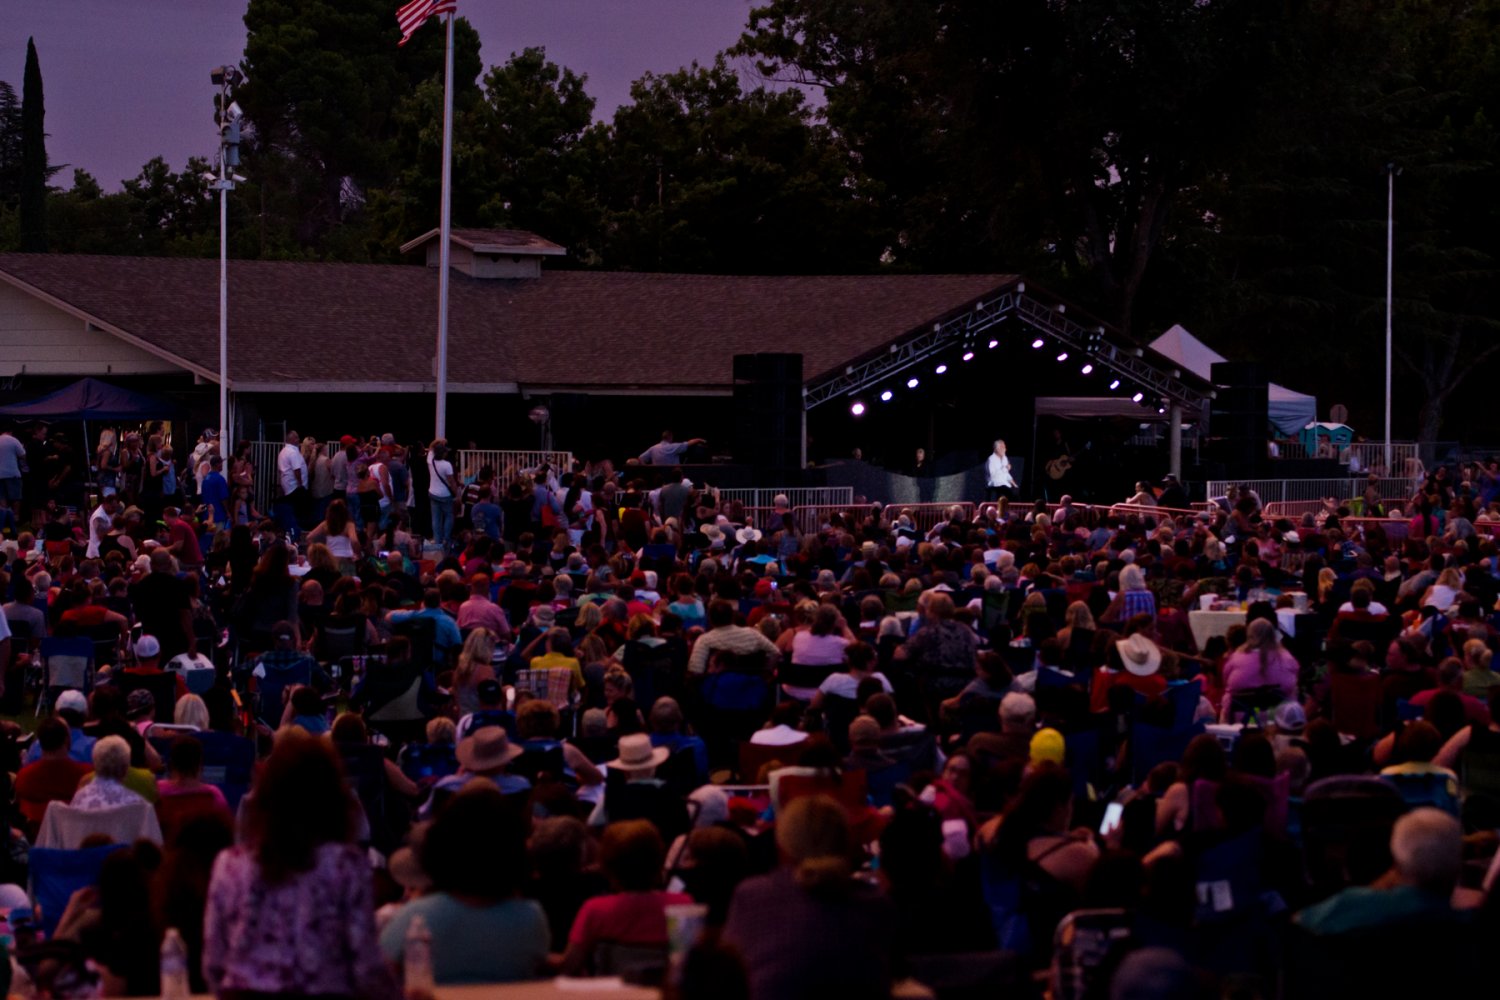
997 477
1058 465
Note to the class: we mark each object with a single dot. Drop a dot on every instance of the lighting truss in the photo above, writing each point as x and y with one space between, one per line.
1047 317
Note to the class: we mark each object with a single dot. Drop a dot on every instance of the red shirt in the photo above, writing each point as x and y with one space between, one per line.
45 781
632 918
186 541
157 672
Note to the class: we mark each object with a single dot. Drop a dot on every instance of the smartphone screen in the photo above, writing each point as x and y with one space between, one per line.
1112 814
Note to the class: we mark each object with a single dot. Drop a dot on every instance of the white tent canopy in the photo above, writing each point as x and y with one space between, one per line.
1288 410
1081 407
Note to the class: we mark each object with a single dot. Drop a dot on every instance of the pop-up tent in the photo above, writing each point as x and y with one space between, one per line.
90 399
1287 410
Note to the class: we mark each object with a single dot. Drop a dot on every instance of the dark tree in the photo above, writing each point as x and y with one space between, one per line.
33 157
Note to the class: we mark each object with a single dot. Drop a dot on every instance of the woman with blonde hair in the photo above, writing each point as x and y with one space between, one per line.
811 921
107 463
1078 617
1447 591
1478 677
473 670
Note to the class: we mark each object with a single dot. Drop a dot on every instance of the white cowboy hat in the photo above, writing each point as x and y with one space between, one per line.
487 749
748 535
636 754
1140 655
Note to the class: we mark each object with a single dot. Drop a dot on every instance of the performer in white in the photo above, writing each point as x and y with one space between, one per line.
997 475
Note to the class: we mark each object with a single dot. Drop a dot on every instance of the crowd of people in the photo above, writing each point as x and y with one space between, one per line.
494 725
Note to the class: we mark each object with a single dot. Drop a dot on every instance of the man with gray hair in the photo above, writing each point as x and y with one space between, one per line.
1427 855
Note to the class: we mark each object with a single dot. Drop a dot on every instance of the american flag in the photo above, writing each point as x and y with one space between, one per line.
415 14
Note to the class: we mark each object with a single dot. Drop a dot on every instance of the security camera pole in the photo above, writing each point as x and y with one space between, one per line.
227 117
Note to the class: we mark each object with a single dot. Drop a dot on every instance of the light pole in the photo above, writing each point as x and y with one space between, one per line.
1391 170
227 117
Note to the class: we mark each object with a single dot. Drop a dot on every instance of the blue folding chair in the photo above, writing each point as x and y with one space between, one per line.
228 764
1440 791
57 874
424 762
1152 745
1406 711
1184 699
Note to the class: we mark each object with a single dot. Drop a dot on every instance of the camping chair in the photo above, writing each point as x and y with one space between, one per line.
339 636
1152 745
1346 830
66 828
364 770
1087 947
994 608
554 684
13 698
1432 789
173 811
1356 700
838 713
754 756
228 763
400 718
426 763
803 675
163 688
56 874
422 633
66 664
735 702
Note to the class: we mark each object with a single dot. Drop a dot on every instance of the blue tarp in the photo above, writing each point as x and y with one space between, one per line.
90 399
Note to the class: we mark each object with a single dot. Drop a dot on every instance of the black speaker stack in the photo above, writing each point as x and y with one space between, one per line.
1238 419
768 411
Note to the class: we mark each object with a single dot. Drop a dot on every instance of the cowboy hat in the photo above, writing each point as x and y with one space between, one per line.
637 754
487 749
748 535
713 533
1140 655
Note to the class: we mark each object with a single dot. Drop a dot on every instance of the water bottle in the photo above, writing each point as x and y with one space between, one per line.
417 961
174 967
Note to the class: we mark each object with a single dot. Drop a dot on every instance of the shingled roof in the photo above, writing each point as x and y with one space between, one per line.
316 323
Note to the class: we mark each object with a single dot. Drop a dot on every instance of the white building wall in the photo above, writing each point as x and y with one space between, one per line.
44 340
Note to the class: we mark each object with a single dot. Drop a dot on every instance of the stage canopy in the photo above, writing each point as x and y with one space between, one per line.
1288 410
90 399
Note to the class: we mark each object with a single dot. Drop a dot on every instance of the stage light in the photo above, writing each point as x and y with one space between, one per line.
885 397
1115 384
858 409
994 344
1137 397
941 369
911 383
1087 369
1063 356
968 355
1037 343
1161 409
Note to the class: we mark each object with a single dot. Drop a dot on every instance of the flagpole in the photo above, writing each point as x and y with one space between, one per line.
445 225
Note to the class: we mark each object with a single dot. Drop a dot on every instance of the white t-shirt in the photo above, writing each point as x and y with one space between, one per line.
289 463
99 524
440 470
843 685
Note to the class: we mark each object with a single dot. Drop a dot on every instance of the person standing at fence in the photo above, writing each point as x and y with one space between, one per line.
291 470
442 489
997 478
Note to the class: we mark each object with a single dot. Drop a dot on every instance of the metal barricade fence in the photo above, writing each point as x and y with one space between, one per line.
798 496
1291 490
508 463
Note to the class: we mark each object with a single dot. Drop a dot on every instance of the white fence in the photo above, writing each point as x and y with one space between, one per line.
508 463
817 496
1290 490
1361 457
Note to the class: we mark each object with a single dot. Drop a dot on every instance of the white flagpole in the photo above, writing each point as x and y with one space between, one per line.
445 225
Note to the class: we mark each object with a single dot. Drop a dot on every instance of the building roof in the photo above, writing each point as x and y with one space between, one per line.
498 241
303 325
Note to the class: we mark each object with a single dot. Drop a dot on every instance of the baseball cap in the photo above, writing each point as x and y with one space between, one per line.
146 647
1048 746
490 692
72 701
348 439
1290 718
138 703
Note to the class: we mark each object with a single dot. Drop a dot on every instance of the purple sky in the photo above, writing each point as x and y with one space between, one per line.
127 80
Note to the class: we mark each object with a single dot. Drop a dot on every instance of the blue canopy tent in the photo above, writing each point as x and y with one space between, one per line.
90 399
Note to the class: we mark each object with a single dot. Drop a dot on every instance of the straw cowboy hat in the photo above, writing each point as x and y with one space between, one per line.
486 750
637 754
1140 655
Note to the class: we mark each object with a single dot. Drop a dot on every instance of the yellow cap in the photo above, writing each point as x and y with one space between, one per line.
1048 745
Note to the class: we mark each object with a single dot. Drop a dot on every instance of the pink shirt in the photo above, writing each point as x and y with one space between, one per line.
634 918
1242 672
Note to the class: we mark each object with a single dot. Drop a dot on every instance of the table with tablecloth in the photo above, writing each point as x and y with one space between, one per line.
1207 624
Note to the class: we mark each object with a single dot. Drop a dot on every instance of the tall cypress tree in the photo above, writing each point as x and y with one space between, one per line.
33 157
